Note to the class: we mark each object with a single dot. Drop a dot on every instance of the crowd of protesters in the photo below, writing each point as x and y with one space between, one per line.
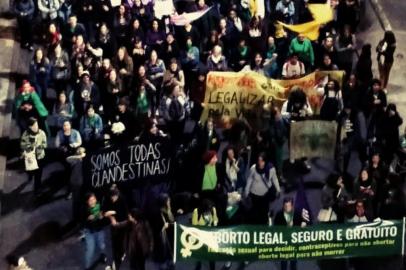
102 76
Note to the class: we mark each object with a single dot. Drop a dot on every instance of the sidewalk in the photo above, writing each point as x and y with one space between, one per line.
394 10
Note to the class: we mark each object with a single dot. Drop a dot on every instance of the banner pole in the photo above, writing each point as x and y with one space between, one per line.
403 237
174 244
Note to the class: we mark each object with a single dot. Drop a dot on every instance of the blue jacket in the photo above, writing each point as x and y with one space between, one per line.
75 140
88 131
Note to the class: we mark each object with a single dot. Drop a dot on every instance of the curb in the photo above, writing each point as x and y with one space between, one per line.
6 118
380 13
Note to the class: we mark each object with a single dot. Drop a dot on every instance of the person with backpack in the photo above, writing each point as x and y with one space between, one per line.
174 110
332 101
293 68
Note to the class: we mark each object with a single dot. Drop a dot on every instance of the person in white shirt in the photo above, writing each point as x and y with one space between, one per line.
359 216
293 68
262 187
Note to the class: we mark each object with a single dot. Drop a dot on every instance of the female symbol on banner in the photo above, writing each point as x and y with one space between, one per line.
190 241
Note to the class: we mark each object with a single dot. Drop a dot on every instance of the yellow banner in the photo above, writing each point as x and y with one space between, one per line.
242 95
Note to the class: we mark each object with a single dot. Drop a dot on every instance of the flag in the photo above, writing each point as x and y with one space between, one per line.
309 29
185 18
302 204
322 13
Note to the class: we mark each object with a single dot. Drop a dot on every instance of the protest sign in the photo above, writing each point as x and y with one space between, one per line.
238 95
129 165
323 241
163 8
313 138
243 94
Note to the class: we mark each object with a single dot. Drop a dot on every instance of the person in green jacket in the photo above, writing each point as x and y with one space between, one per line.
210 178
213 183
28 104
303 47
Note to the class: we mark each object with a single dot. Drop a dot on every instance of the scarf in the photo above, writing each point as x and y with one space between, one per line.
270 52
288 218
264 171
243 51
95 211
92 121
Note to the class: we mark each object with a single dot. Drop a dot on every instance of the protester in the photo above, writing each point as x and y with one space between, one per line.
293 68
163 233
63 111
332 101
262 188
33 144
24 9
116 209
205 215
91 126
94 222
139 240
68 140
288 217
40 73
234 170
29 104
386 50
304 49
75 186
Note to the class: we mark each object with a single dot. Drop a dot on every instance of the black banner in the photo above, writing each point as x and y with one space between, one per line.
131 165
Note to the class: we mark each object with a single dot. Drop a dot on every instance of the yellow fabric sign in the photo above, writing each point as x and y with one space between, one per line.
242 95
309 29
322 13
238 94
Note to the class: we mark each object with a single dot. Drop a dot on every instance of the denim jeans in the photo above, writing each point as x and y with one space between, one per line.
93 239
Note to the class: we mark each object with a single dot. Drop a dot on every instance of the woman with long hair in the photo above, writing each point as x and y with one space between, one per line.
262 188
385 50
40 73
364 66
124 65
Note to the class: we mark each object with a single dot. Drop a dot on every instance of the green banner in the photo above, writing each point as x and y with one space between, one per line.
253 243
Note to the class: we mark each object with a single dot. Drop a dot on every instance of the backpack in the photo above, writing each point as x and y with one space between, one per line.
176 110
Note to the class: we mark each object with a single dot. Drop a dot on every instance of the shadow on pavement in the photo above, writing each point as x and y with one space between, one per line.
17 199
46 233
